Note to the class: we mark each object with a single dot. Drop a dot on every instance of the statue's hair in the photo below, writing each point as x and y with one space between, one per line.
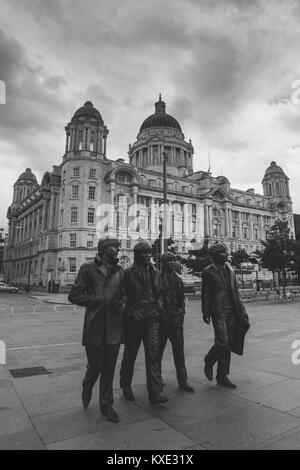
217 248
104 243
168 257
142 246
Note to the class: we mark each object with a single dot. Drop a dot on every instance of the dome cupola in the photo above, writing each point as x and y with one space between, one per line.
160 118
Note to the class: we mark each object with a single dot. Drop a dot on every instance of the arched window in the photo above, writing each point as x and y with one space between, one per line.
93 142
80 140
121 210
123 177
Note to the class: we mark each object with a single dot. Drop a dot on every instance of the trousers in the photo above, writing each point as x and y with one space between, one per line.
146 330
175 335
102 361
224 329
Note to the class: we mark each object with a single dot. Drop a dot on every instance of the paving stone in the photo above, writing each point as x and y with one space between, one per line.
142 435
14 421
282 396
39 404
9 398
249 379
186 408
239 429
211 418
58 426
21 441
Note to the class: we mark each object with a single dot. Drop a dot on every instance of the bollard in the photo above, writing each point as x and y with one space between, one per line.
75 309
33 309
11 310
55 309
187 300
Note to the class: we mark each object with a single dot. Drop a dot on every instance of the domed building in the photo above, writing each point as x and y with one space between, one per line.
54 226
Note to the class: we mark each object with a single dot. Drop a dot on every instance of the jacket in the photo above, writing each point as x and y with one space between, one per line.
102 294
212 297
135 287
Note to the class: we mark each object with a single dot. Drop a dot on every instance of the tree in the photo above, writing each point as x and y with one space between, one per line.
279 250
198 259
238 257
156 250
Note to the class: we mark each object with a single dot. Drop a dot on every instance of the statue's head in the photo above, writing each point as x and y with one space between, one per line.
168 262
219 253
108 250
142 253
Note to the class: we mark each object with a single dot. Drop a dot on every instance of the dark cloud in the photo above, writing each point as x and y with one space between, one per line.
224 69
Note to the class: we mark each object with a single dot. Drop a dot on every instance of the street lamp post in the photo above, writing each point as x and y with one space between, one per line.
29 263
165 215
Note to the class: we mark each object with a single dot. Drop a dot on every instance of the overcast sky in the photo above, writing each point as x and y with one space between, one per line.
225 69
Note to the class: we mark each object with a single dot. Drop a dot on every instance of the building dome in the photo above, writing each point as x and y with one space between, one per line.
274 168
88 110
160 118
27 176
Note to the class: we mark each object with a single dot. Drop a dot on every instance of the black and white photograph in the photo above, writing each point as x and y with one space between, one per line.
149 227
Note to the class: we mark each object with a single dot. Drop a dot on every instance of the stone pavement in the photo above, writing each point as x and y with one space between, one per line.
45 411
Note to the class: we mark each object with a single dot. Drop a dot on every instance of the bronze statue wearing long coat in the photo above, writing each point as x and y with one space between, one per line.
100 288
221 302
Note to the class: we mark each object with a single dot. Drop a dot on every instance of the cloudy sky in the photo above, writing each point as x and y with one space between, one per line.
225 68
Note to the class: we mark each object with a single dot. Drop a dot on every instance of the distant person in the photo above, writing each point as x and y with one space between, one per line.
221 304
142 285
99 287
172 317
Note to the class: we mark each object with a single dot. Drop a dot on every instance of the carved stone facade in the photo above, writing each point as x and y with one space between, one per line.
54 227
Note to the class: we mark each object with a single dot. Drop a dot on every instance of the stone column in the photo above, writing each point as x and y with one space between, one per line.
98 145
104 151
88 138
226 223
210 220
206 227
261 227
67 142
153 219
251 226
240 226
111 224
230 223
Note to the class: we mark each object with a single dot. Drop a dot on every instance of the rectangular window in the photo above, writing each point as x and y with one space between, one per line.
72 240
92 192
128 244
72 265
92 173
74 213
61 217
90 240
91 216
75 192
76 172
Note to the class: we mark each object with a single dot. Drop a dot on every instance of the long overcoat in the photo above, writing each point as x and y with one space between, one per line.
101 294
212 302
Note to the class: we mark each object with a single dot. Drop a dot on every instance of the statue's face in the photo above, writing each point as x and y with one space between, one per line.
143 257
170 264
220 257
111 254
